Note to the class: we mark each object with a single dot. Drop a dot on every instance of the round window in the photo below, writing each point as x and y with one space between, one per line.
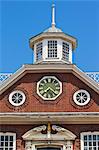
81 97
17 98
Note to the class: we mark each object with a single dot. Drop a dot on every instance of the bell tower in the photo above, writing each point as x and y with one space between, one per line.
53 45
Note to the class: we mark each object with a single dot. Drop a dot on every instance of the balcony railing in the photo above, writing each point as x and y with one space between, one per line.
93 75
4 76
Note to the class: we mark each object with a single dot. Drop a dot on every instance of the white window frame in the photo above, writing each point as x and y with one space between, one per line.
41 51
10 134
75 98
45 50
59 51
62 145
11 95
86 133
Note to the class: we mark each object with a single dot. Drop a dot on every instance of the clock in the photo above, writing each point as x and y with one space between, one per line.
49 88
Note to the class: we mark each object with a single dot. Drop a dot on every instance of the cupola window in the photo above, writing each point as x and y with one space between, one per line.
17 98
52 49
39 51
65 51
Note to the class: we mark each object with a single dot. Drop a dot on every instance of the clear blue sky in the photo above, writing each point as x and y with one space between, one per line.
22 19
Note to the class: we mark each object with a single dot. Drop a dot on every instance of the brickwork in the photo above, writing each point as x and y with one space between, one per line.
63 103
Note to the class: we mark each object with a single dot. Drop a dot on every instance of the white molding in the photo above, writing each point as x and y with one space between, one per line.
36 135
11 95
35 139
49 68
60 35
58 117
70 53
75 98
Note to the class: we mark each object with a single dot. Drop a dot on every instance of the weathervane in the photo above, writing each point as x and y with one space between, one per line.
53 15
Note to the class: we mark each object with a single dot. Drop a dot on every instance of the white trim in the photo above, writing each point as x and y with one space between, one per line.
36 135
10 134
58 117
86 133
49 68
45 77
14 92
46 35
75 97
35 139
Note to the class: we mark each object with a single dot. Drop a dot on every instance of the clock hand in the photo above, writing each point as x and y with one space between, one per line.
47 89
52 90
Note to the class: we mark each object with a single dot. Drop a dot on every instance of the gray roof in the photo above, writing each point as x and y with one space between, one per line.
53 29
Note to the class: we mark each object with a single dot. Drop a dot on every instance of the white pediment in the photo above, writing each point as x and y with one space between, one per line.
61 134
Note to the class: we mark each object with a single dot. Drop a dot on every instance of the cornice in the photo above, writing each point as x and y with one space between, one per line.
44 68
44 117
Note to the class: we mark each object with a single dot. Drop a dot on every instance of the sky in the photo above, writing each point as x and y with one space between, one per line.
22 19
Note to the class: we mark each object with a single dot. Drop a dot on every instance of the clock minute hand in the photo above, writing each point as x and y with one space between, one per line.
52 90
47 89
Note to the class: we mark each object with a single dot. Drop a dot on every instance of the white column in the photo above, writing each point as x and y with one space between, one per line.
45 50
70 52
64 147
28 145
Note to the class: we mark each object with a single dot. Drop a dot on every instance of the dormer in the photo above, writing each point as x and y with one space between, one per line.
53 45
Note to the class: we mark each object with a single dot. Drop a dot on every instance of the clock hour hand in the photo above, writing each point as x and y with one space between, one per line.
49 88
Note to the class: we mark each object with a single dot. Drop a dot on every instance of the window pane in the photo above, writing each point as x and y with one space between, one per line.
6 138
11 138
2 138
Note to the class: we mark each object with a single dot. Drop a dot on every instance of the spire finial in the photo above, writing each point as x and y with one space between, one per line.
53 15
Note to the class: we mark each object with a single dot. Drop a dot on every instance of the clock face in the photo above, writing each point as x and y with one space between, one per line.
49 88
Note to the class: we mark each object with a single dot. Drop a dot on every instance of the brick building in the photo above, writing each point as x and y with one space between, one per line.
51 104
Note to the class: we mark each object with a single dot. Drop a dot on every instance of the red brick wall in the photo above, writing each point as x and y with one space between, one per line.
22 129
63 103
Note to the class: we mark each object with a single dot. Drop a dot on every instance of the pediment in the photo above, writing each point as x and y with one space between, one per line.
45 68
61 134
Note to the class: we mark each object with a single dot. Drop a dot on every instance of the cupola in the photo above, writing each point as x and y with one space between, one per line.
53 45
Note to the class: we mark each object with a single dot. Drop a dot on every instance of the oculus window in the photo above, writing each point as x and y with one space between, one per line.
81 97
17 98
